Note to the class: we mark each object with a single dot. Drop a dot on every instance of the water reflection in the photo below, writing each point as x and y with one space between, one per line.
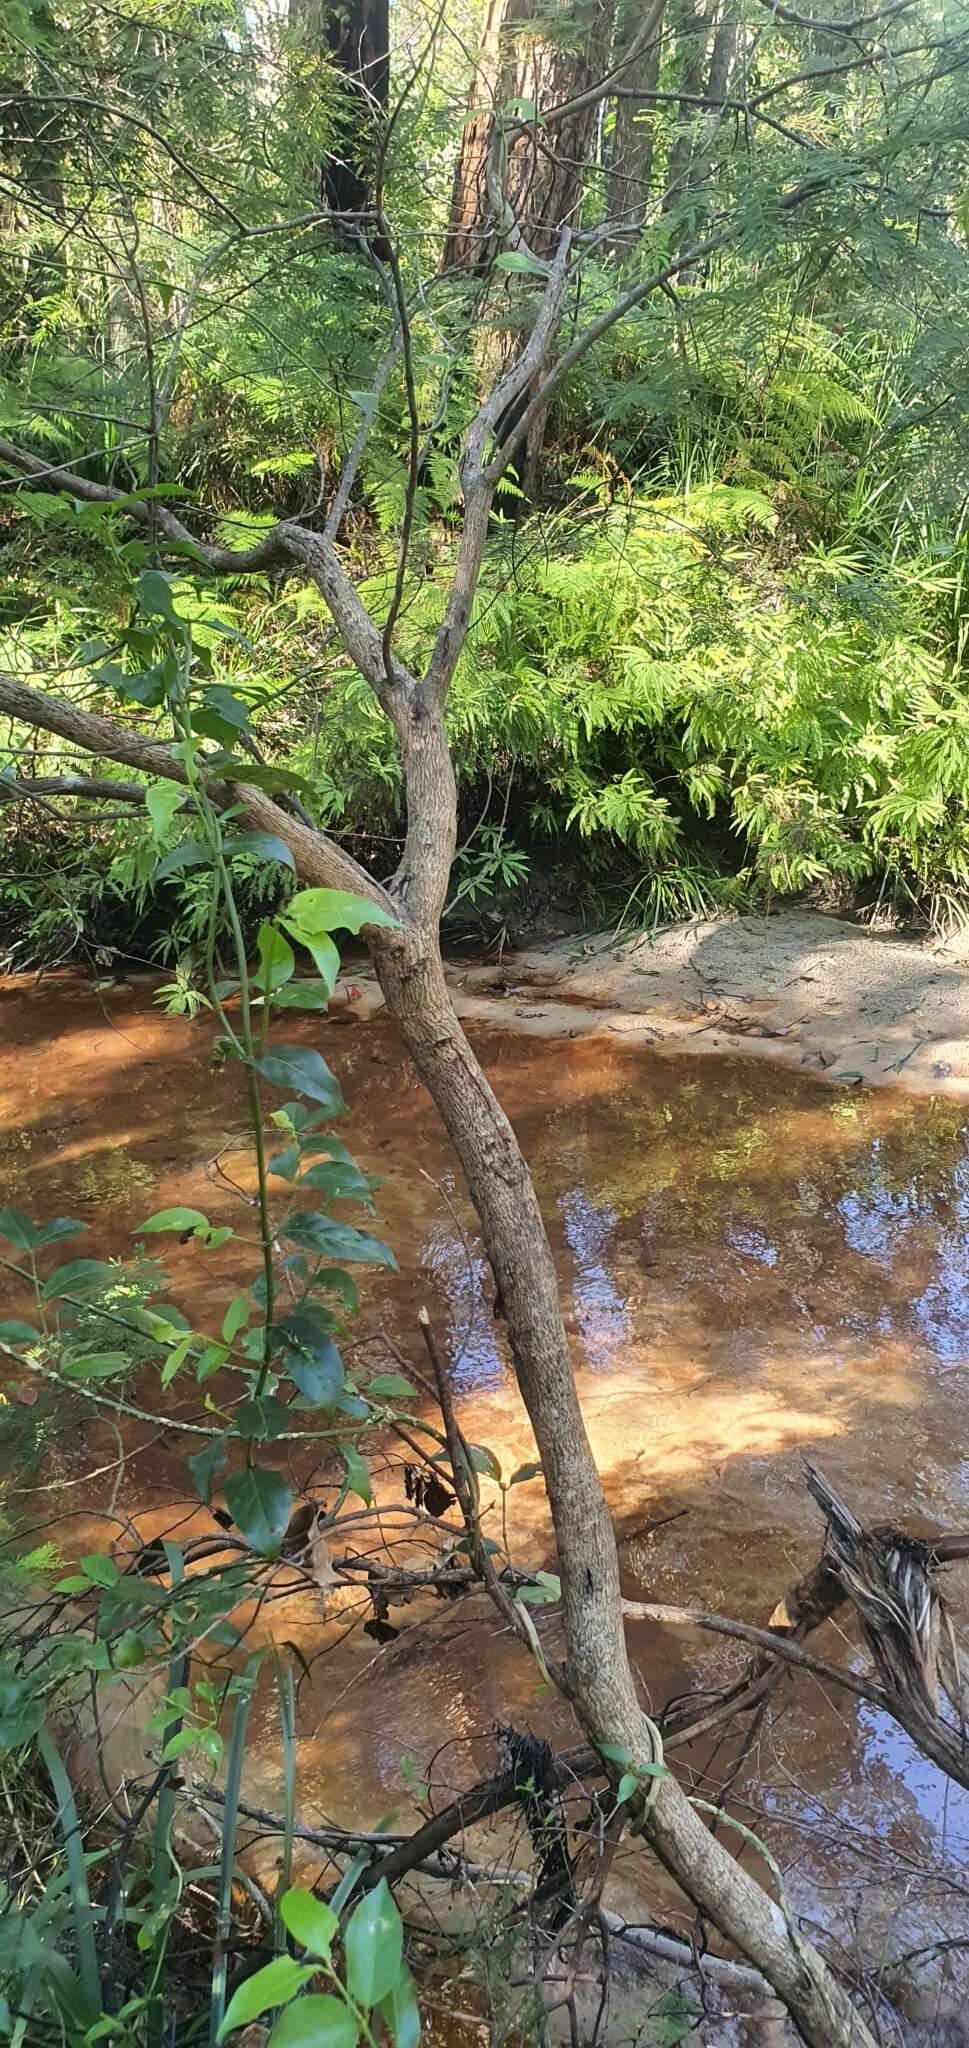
600 1311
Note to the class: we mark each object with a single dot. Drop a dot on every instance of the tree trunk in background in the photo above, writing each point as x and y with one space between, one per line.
355 37
630 169
693 26
523 187
705 75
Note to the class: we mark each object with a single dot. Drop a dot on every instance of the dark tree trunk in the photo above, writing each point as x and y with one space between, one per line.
355 36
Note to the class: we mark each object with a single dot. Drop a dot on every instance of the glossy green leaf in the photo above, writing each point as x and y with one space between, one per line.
102 1571
300 1067
17 1228
174 1219
318 2020
14 1332
236 1316
334 910
484 1461
400 2012
154 594
82 1277
273 1985
260 1504
190 853
391 1386
276 957
309 994
207 1466
262 846
526 1472
263 1418
163 801
314 1232
316 942
57 1230
341 1182
373 1945
319 1379
309 1920
95 1365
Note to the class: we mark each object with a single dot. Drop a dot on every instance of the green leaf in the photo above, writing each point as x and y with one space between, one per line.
334 910
400 2012
17 1228
102 1571
262 846
174 1219
83 1277
628 1785
191 853
526 1472
318 1379
206 1467
484 1461
325 956
334 1280
236 1316
260 1504
341 1182
309 1920
357 1474
273 1985
515 259
14 1332
389 1386
373 1946
96 1365
307 1328
154 594
276 957
308 994
56 1230
299 1067
162 802
614 1753
314 1232
262 1418
317 2020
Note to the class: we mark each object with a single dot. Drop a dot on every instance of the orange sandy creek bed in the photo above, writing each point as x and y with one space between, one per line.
752 1264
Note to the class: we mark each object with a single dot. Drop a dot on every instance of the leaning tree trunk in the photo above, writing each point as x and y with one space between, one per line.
599 1677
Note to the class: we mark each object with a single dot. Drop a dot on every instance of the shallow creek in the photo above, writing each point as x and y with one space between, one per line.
752 1264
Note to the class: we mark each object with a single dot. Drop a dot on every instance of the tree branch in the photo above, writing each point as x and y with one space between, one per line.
319 860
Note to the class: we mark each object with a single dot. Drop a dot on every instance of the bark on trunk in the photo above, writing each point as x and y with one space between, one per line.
525 184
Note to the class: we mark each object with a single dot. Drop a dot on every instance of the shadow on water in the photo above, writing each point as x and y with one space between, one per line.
751 1265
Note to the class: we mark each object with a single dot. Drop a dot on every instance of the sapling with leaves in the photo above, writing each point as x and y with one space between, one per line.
424 418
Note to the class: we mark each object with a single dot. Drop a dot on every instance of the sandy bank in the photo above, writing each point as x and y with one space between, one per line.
802 987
